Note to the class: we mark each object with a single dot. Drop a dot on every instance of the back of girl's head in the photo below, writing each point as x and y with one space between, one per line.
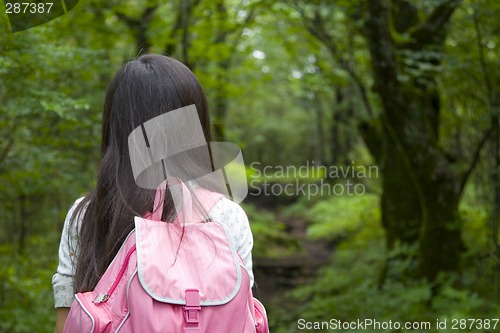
141 90
145 88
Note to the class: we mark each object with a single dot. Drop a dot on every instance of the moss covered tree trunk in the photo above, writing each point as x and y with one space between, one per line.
421 187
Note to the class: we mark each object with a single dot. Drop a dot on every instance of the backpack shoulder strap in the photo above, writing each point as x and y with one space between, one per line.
207 198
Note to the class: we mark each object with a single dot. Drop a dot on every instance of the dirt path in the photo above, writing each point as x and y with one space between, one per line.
275 277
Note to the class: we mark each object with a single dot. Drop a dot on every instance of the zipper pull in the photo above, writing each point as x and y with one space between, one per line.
101 298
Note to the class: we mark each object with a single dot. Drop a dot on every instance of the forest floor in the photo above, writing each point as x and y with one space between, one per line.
276 276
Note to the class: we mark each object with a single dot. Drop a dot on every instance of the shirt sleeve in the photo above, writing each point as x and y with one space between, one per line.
234 217
62 281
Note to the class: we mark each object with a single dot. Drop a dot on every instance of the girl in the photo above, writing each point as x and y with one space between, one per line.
97 224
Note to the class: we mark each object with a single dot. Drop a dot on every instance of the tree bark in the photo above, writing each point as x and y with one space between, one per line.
421 190
495 177
493 103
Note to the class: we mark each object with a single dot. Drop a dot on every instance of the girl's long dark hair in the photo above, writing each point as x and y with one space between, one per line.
141 90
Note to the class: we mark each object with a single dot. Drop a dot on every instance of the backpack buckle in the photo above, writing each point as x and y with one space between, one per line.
191 316
192 308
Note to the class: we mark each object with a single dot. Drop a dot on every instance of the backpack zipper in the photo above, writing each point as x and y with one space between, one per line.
104 297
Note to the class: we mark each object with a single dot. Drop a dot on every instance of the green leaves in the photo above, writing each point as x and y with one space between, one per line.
342 216
26 301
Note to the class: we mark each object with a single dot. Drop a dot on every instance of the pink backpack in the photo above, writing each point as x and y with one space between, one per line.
166 279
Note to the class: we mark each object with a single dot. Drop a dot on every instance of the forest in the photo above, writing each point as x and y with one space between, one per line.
370 131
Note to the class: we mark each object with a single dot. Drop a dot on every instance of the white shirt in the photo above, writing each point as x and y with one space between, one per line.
224 211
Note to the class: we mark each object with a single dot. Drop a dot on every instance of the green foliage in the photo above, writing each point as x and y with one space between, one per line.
342 216
26 299
283 106
349 288
271 238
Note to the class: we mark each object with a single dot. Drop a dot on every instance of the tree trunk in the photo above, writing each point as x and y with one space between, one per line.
493 104
320 135
419 204
495 215
421 190
139 27
220 103
336 144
